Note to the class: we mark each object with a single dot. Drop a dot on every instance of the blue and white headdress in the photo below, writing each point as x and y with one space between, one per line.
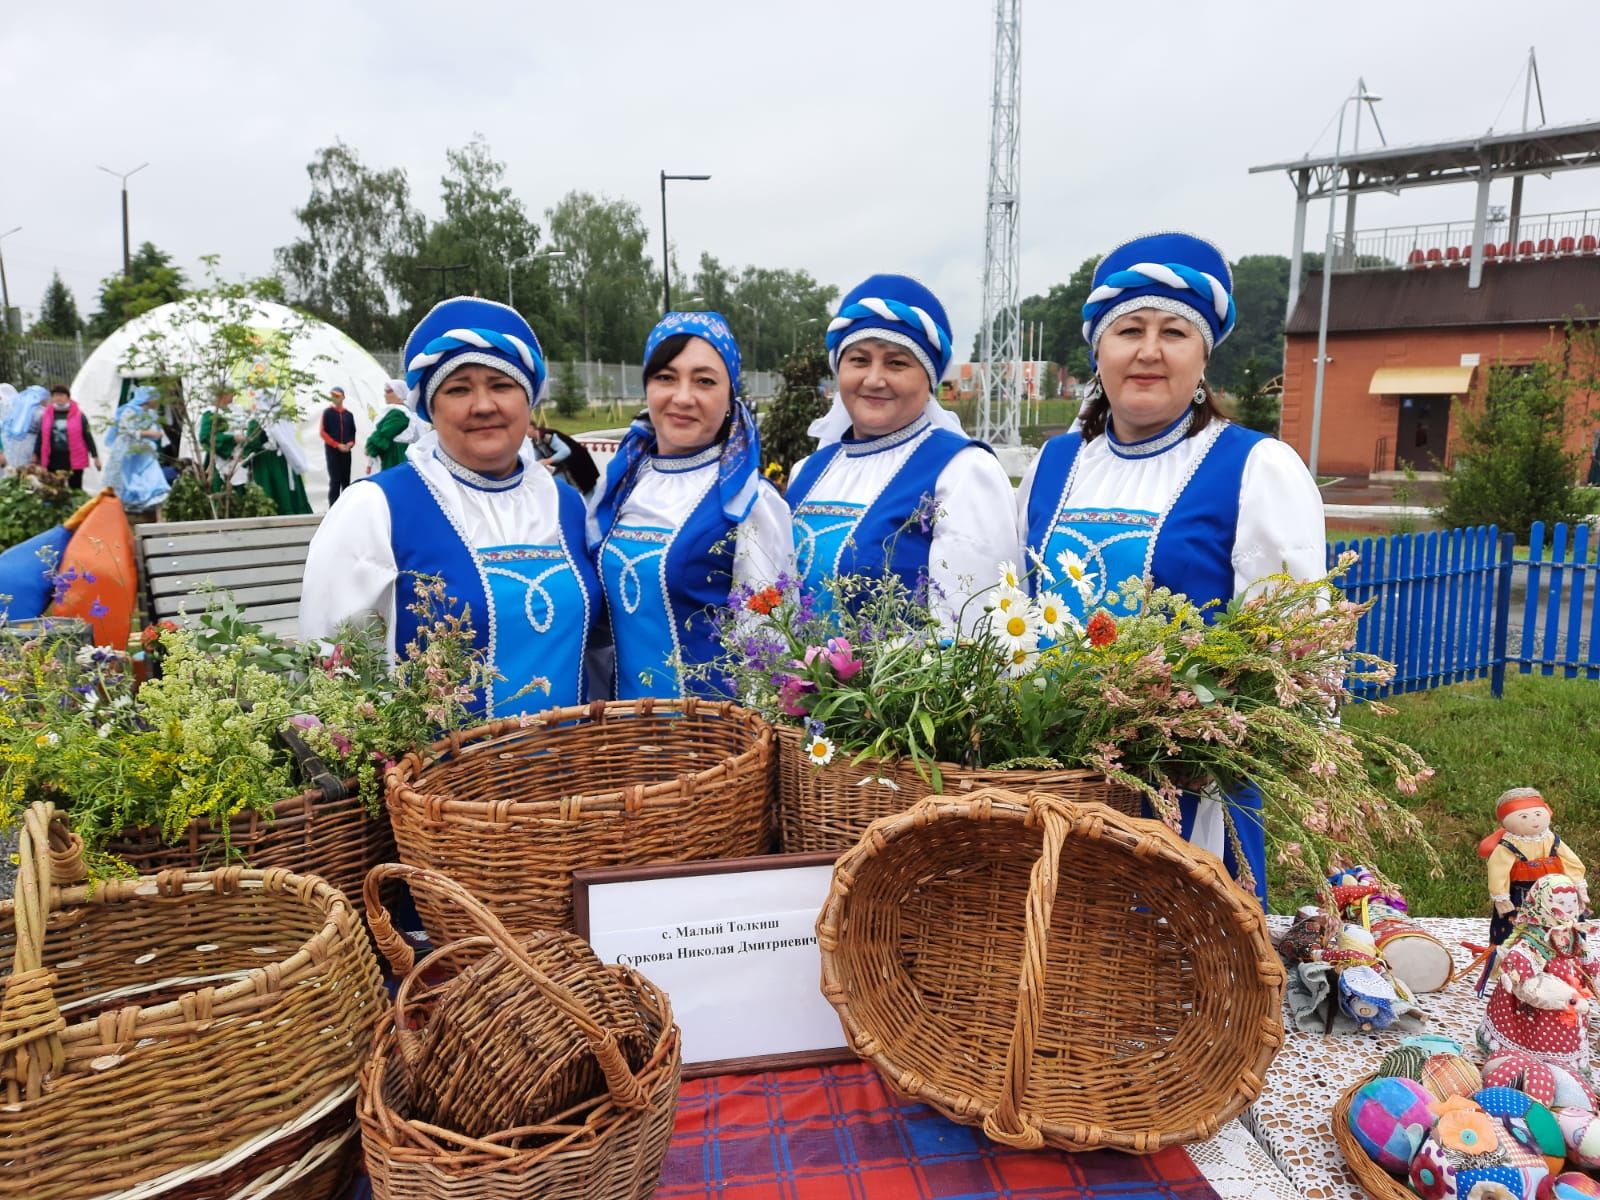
894 308
738 464
466 330
1174 272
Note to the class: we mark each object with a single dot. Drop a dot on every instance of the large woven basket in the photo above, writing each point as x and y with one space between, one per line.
610 1143
1059 973
510 809
162 1031
1374 1180
327 833
829 808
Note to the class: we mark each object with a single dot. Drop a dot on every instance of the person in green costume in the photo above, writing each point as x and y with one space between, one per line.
218 445
277 465
396 429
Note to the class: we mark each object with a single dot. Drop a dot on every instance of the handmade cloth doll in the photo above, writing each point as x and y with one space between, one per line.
1523 850
1548 979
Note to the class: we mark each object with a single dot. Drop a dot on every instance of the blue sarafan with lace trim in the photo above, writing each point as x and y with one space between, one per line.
1173 272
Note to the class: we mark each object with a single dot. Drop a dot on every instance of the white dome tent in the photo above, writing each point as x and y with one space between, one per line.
318 349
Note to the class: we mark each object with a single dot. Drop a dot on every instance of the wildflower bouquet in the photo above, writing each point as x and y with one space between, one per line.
1160 700
201 742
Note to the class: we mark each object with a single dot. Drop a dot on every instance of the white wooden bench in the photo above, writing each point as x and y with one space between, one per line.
260 560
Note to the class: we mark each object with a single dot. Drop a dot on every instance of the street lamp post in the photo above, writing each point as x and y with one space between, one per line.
127 262
1360 95
517 262
5 291
666 267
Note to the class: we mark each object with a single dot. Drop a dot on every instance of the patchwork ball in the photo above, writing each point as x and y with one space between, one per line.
1529 1122
1547 1083
1390 1117
1580 1131
1433 1043
1446 1075
1572 1185
1404 1062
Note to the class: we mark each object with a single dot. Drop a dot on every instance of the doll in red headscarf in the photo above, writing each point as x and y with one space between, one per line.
1521 852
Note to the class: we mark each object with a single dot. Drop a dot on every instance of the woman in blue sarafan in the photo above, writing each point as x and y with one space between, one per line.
894 484
470 505
684 516
1157 484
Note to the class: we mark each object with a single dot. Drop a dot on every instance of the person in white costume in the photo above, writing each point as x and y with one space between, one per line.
685 516
1157 484
894 484
470 506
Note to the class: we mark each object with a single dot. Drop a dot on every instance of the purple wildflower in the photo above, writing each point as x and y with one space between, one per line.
97 610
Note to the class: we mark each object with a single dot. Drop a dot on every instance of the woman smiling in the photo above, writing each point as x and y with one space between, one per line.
467 506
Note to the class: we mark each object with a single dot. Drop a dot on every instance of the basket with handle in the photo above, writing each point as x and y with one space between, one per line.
828 808
157 1033
583 1133
510 809
1060 974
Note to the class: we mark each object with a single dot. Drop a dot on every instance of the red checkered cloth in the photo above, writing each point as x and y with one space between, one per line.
838 1133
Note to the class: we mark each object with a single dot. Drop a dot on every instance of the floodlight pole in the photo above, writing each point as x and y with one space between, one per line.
666 266
127 262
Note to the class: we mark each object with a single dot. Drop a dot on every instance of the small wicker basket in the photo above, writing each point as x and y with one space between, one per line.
608 1144
829 808
510 809
1059 973
1374 1180
166 1031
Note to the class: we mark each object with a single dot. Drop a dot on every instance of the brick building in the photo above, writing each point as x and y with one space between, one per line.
1408 347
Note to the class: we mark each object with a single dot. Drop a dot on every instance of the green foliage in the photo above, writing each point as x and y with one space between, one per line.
1260 292
1511 465
58 311
1060 312
32 501
151 282
606 285
359 229
567 393
191 500
784 439
773 313
1253 406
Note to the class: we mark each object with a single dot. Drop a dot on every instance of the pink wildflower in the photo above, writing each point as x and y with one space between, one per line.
842 659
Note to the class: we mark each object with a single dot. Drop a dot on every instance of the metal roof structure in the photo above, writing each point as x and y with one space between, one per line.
1492 155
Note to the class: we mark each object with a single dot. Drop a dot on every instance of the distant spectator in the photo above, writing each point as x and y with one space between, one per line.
66 443
339 438
566 458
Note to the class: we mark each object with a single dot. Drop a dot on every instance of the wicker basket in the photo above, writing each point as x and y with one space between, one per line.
159 1030
566 1035
829 808
1374 1180
509 810
610 1143
1150 997
329 834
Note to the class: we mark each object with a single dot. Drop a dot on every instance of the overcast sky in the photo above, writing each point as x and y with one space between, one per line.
844 136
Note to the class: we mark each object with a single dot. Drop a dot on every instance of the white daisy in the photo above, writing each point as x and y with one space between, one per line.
1008 600
1077 573
1054 619
1022 661
820 751
1035 558
1017 629
1009 579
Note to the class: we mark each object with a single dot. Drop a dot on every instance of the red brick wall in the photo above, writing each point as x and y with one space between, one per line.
1353 421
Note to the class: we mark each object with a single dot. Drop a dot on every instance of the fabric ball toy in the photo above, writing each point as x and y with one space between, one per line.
1390 1117
1447 1075
1547 1083
1529 1122
1404 1062
1433 1043
1465 1149
1572 1185
1580 1132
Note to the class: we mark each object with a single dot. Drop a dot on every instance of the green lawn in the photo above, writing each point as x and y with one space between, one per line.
1545 733
612 417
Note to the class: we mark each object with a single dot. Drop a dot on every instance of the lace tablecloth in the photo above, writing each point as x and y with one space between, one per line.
1293 1117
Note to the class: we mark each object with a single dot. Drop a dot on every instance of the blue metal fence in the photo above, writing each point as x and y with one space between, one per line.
1445 609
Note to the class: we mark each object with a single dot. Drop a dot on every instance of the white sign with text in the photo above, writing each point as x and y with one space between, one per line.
736 952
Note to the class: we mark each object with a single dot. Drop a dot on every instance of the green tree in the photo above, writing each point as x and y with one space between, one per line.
1511 465
1260 291
359 229
151 281
714 284
568 393
1254 406
775 312
784 439
1060 314
607 288
58 311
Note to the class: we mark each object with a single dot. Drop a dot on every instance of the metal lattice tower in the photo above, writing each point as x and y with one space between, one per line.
999 408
